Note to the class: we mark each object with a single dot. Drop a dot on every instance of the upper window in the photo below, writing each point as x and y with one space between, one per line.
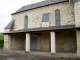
45 17
26 21
57 17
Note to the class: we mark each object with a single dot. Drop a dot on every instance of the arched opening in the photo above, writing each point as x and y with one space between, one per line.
26 22
57 17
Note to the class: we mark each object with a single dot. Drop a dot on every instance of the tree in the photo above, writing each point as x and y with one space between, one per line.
1 40
1 36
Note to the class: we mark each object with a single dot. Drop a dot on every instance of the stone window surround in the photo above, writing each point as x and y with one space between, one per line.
57 17
45 17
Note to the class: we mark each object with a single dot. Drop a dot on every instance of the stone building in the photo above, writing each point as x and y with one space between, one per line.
51 25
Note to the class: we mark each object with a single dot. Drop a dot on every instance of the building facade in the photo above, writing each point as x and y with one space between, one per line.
50 25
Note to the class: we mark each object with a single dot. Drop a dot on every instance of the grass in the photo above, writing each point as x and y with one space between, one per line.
1 55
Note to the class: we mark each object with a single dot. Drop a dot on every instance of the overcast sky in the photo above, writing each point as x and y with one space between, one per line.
10 6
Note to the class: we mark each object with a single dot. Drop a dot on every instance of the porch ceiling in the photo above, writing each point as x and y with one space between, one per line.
41 29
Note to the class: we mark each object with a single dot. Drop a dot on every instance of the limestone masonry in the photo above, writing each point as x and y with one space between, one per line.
49 26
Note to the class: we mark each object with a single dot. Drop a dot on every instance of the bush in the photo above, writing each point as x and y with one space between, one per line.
1 40
1 36
1 43
1 55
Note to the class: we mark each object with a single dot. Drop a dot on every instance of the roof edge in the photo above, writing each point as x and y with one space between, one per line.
51 28
37 7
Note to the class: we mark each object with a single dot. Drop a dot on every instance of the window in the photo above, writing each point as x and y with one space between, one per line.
45 17
57 17
26 22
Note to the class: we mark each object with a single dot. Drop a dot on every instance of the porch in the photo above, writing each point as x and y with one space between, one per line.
53 40
65 41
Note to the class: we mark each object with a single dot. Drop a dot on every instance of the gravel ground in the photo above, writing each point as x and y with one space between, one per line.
28 56
18 56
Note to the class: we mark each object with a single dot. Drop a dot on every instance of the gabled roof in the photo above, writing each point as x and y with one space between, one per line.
9 25
38 5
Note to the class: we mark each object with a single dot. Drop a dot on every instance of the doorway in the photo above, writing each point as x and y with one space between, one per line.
33 43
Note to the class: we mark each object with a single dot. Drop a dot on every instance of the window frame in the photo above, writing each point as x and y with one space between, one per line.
45 17
26 20
57 17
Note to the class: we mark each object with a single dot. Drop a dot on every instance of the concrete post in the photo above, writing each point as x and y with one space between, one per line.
27 42
53 48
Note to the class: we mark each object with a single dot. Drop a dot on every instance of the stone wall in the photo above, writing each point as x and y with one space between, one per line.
7 30
39 43
77 21
45 41
77 13
35 16
18 42
7 42
66 41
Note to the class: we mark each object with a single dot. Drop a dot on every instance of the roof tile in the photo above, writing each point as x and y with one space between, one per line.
37 5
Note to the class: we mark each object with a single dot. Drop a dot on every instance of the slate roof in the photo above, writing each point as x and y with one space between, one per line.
9 25
42 29
38 5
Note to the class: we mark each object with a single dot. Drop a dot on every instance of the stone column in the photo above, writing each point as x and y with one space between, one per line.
77 23
27 42
78 42
53 48
7 39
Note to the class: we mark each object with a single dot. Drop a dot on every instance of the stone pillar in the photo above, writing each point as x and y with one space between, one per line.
53 48
77 12
77 23
7 39
27 42
78 42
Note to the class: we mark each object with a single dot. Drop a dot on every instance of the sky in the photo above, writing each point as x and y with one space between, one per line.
7 7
